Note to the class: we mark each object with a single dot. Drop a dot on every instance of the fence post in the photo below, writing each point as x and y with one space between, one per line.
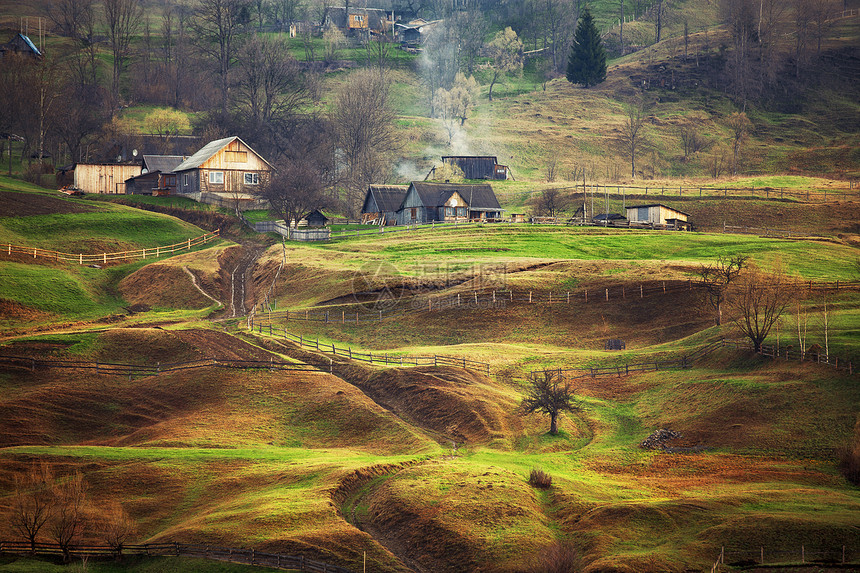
762 556
568 297
664 287
803 547
586 295
607 294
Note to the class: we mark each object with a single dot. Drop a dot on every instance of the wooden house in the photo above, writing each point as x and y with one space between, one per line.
157 176
478 166
228 169
657 214
446 202
104 177
354 19
21 45
381 204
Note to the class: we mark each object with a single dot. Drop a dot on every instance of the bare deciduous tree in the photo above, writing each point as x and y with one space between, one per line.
548 394
551 202
740 126
756 301
632 136
123 19
217 26
116 527
32 503
67 519
718 277
362 121
296 190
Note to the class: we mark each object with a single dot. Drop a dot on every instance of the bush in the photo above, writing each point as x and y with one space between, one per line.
540 479
849 458
557 558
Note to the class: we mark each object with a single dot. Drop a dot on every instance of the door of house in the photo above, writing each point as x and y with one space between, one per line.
414 213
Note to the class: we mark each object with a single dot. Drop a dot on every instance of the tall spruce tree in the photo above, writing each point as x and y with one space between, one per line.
587 62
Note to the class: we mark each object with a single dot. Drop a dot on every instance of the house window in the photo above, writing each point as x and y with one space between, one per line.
186 180
170 180
449 211
461 211
252 178
216 177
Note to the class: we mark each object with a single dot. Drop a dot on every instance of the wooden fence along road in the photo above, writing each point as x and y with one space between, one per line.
245 556
104 258
801 556
380 358
149 369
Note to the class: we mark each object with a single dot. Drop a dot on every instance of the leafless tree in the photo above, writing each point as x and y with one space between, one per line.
270 84
716 279
33 502
297 189
820 13
67 519
548 394
438 64
551 202
692 140
740 126
123 19
659 7
551 169
217 27
70 17
116 528
471 27
362 121
632 135
756 301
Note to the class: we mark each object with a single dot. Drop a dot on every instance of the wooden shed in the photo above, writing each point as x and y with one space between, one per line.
658 214
22 45
104 177
478 166
381 204
157 176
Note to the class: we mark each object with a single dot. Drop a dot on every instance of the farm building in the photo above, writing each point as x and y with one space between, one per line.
223 171
315 219
658 214
426 202
157 176
478 166
414 33
352 19
381 204
104 177
21 45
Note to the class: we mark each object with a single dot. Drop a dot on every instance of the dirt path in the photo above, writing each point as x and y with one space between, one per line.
240 284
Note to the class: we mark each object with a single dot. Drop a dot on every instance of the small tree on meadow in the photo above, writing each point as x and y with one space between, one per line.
548 394
32 502
756 302
718 277
587 62
506 56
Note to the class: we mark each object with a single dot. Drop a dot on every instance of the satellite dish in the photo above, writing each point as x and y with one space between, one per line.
144 171
134 152
118 158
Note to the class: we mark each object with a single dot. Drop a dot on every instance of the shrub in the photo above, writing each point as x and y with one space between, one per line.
849 458
557 558
540 479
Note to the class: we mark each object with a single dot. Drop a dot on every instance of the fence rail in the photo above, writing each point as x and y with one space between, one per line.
233 555
486 298
80 258
380 358
843 555
688 360
149 369
774 193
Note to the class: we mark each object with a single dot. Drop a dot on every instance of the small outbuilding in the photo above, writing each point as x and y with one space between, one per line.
106 178
316 220
381 204
478 166
22 45
609 219
658 214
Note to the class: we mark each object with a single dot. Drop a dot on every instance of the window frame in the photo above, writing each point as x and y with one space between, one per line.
255 178
213 175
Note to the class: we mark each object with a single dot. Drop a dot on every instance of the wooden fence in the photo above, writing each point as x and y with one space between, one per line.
34 252
214 552
489 298
149 369
380 358
758 556
773 193
687 361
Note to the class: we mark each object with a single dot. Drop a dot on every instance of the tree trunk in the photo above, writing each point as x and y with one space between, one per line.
553 424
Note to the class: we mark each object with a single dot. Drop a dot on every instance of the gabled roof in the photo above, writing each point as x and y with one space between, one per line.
479 196
337 15
388 197
657 205
20 41
209 150
162 163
